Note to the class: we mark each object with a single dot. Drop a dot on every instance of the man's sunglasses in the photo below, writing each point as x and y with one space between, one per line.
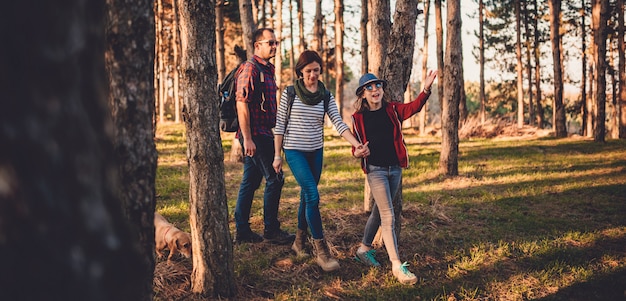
269 42
370 87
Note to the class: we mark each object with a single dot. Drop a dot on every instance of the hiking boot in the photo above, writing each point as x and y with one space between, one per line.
247 237
279 237
324 259
403 275
367 257
298 245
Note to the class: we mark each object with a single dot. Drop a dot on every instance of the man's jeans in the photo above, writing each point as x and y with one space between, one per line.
306 167
384 185
256 168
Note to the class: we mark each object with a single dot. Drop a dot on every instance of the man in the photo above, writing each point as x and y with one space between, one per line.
256 111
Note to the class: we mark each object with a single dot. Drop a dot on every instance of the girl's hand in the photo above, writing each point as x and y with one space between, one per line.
428 82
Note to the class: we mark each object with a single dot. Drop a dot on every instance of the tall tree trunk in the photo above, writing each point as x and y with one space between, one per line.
529 68
600 17
583 81
440 63
339 29
380 18
621 69
481 49
448 161
520 73
213 271
278 59
129 60
300 9
219 34
64 235
537 46
318 29
463 99
364 37
176 60
160 75
558 117
292 54
422 114
248 25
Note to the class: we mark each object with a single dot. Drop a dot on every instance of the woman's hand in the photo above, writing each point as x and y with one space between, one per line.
277 164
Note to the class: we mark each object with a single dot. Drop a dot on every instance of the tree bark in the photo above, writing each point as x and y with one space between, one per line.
130 64
213 271
380 28
248 25
422 113
278 59
529 67
339 30
600 17
303 44
364 37
219 34
621 70
558 117
520 74
540 114
448 162
60 203
481 49
583 81
318 28
440 63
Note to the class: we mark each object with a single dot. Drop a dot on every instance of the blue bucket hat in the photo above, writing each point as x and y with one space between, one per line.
367 79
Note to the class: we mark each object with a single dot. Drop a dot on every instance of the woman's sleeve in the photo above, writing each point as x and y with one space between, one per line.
281 115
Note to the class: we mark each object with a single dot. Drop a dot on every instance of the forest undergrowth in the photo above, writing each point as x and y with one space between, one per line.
529 217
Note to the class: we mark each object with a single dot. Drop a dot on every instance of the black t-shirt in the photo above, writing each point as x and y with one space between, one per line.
379 132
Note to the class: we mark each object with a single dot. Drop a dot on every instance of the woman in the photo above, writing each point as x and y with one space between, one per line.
301 135
377 124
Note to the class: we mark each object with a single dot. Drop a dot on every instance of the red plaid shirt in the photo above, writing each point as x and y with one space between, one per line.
259 94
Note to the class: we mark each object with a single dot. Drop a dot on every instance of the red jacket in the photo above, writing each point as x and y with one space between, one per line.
397 112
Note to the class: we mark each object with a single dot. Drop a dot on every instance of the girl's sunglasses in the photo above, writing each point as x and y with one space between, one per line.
370 87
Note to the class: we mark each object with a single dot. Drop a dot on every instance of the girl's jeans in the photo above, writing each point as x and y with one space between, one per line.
384 184
306 167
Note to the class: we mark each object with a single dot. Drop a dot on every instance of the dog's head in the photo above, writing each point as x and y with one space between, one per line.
183 244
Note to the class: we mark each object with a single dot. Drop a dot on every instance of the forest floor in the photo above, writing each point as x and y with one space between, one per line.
529 217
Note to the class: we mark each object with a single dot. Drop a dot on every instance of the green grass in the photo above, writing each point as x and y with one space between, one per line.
526 219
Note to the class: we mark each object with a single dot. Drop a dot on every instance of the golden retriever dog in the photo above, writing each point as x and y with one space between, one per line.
167 235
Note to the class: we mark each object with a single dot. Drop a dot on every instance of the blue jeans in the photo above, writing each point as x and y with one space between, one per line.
384 184
306 167
256 168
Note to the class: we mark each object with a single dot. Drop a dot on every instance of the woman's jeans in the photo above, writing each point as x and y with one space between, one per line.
306 167
384 185
256 168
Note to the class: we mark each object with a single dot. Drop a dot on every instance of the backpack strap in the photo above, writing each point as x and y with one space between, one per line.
291 97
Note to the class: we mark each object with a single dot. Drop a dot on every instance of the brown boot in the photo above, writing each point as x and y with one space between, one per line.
298 245
324 259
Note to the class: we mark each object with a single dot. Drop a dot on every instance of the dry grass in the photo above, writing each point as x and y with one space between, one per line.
529 218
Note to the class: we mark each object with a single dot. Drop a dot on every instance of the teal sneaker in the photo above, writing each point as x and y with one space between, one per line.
367 257
404 275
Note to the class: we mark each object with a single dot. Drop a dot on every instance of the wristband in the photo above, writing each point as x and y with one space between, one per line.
278 158
426 90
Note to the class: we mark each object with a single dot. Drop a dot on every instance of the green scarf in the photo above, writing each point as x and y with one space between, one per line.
307 97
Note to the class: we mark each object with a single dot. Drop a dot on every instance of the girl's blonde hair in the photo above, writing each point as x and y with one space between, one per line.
360 104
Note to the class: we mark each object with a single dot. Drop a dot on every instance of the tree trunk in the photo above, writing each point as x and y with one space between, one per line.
160 61
583 81
481 49
339 30
278 59
621 69
64 235
540 114
219 34
300 9
422 113
213 271
130 64
529 67
292 54
380 28
318 28
448 162
520 74
176 60
440 64
248 25
558 117
364 37
463 99
600 17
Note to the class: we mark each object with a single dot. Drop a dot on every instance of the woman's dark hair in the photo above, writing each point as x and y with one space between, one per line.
307 57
